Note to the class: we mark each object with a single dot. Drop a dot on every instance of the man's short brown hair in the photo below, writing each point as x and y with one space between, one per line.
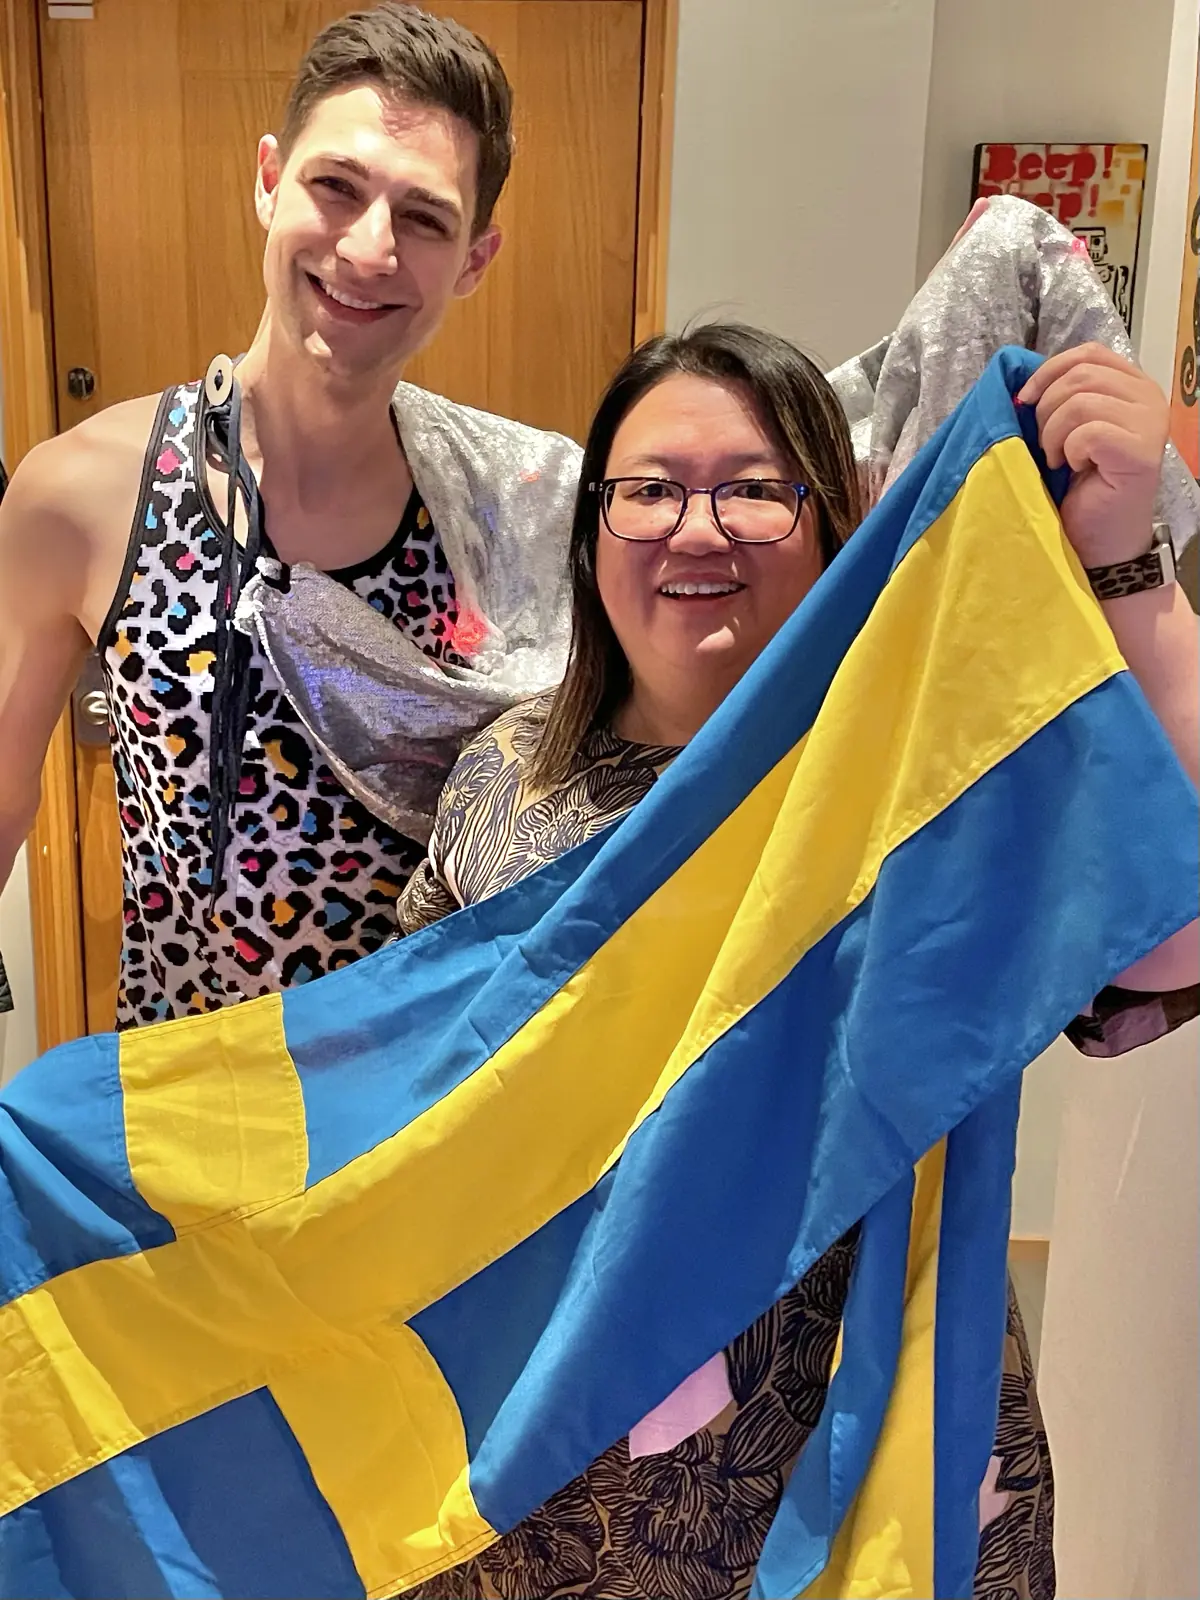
413 56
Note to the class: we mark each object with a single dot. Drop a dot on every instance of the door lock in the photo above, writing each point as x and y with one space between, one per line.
89 704
81 384
93 707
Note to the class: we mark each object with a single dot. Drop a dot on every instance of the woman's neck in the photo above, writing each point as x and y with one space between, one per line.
664 719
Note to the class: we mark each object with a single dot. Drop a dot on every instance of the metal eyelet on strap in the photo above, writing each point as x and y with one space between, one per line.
218 380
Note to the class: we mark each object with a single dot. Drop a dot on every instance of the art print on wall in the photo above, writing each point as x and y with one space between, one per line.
1096 190
1185 412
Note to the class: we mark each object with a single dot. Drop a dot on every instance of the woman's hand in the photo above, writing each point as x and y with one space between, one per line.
1109 422
973 216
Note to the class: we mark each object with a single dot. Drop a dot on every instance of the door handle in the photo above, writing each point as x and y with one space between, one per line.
89 705
81 383
94 707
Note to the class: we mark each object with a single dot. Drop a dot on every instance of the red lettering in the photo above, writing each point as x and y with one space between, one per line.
1069 207
1083 166
1031 166
1058 164
1046 201
985 189
1001 163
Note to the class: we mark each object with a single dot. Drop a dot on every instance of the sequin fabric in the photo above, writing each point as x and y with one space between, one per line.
388 721
1017 277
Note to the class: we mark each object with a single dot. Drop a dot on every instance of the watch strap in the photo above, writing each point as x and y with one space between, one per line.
1153 570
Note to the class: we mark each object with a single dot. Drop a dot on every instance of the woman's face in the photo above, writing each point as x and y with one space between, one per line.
690 649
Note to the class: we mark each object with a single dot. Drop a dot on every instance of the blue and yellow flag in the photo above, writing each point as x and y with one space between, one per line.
318 1295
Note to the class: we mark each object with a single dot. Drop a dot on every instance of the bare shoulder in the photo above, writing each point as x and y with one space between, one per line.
71 476
70 506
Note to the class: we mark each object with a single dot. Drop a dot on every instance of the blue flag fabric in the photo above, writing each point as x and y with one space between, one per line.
321 1294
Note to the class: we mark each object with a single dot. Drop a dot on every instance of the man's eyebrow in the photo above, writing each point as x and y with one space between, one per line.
424 197
347 163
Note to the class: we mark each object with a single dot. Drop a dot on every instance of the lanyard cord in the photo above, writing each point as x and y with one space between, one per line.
222 428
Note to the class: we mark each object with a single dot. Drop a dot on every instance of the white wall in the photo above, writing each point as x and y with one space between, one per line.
1118 1373
823 151
1119 1381
799 133
1034 70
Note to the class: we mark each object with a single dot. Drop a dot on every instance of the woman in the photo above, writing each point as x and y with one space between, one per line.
718 482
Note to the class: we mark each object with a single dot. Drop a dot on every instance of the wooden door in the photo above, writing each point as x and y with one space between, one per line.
153 109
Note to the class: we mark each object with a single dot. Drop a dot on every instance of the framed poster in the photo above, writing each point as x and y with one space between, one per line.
1096 190
1185 413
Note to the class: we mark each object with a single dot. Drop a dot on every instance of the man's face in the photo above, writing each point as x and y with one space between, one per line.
369 229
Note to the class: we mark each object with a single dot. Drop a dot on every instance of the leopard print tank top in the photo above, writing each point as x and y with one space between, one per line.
311 876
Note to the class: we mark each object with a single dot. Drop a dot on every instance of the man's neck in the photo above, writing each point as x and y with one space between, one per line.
312 438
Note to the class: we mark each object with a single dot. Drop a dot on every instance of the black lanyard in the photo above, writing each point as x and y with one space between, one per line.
221 433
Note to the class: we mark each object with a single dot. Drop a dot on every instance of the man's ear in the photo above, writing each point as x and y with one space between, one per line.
480 256
266 182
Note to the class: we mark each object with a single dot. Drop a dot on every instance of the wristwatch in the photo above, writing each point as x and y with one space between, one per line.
1154 570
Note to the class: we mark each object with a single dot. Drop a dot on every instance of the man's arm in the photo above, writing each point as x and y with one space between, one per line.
44 566
64 531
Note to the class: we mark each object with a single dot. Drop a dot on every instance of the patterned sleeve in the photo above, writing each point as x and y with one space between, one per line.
1122 1019
433 892
426 898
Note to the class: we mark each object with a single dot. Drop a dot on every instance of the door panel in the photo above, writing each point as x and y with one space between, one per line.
153 110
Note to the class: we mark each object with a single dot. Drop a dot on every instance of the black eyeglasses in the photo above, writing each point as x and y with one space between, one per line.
746 510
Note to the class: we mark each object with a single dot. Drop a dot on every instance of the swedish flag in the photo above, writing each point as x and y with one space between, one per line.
317 1295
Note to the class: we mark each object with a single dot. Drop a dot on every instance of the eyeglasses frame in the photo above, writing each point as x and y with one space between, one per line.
603 490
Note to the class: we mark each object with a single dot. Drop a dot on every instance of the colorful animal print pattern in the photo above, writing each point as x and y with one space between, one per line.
311 877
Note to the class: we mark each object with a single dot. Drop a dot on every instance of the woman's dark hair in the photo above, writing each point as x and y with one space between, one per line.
799 410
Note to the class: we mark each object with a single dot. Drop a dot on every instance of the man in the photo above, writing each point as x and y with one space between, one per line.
265 834
249 865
